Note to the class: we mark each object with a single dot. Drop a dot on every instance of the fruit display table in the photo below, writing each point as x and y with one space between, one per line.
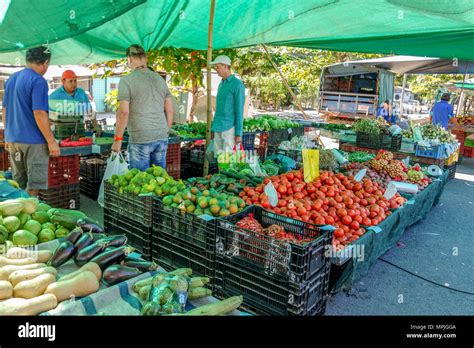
379 239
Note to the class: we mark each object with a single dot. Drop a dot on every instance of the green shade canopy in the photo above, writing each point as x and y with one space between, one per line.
436 28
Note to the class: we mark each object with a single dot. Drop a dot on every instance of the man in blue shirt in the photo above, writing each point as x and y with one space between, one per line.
227 124
386 111
28 136
442 112
70 92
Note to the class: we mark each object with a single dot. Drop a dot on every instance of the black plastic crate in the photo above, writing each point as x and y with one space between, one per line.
286 261
296 132
136 208
373 141
66 196
92 169
184 226
391 142
90 188
138 235
452 171
266 296
172 253
248 141
62 130
276 136
379 141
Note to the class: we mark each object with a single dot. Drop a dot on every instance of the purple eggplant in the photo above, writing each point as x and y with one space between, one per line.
142 265
114 241
108 258
119 273
84 241
90 226
90 251
64 252
74 235
97 236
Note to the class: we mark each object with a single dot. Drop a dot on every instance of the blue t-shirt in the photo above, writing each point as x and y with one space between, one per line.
442 111
82 106
25 91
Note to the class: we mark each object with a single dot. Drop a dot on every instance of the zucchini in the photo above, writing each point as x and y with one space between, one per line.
66 221
74 213
218 308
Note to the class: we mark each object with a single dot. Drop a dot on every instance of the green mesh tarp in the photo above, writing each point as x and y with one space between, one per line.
413 27
25 24
381 238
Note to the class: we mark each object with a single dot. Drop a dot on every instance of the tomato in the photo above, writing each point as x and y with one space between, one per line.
320 221
298 175
364 202
357 187
343 239
259 188
375 222
266 180
360 232
265 204
316 206
373 214
329 220
369 189
345 228
367 222
305 218
371 200
314 215
310 188
346 220
248 202
341 212
358 218
330 193
281 203
323 189
351 213
301 211
277 211
355 225
290 176
289 191
338 233
307 206
282 189
298 195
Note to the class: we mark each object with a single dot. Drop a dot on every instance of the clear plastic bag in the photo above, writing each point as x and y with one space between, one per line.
116 164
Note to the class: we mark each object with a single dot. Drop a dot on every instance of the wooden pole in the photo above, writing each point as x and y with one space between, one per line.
209 82
285 82
462 93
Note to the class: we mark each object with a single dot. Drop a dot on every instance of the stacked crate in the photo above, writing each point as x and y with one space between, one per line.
63 183
173 160
92 171
274 277
129 214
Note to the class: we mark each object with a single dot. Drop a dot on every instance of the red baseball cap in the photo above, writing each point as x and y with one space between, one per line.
68 74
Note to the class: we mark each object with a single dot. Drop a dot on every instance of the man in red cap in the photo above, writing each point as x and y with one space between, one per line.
58 100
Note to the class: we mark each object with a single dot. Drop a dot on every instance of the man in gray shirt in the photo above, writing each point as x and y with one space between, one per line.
144 100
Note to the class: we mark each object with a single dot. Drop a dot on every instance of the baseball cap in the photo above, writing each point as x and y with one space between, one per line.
68 74
222 60
135 50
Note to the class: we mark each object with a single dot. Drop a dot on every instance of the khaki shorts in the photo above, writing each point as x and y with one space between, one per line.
30 163
224 141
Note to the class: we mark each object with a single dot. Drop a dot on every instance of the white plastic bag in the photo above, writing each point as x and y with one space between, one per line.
116 164
271 193
211 152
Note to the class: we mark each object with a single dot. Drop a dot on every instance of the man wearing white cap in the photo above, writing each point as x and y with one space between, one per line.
228 119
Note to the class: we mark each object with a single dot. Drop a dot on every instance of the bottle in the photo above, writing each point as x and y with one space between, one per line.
93 138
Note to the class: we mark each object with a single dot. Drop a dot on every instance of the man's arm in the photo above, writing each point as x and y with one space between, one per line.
123 112
169 111
41 118
4 121
239 112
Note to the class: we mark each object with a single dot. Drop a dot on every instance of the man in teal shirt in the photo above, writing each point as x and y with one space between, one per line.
229 116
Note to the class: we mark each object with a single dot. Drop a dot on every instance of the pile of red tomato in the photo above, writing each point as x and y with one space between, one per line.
331 199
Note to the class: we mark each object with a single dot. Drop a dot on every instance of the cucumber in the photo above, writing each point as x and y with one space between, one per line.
67 221
74 213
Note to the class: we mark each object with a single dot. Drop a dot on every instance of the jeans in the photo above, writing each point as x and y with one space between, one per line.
142 156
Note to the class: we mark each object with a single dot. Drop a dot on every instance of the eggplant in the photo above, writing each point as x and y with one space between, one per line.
114 241
64 252
142 265
90 226
74 235
87 253
84 241
108 258
119 273
97 236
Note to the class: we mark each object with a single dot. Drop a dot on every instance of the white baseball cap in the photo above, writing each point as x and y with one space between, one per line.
222 60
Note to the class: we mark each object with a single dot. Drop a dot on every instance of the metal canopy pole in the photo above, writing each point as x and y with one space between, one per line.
209 82
404 85
462 94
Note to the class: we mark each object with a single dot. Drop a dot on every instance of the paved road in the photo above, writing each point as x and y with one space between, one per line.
439 248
